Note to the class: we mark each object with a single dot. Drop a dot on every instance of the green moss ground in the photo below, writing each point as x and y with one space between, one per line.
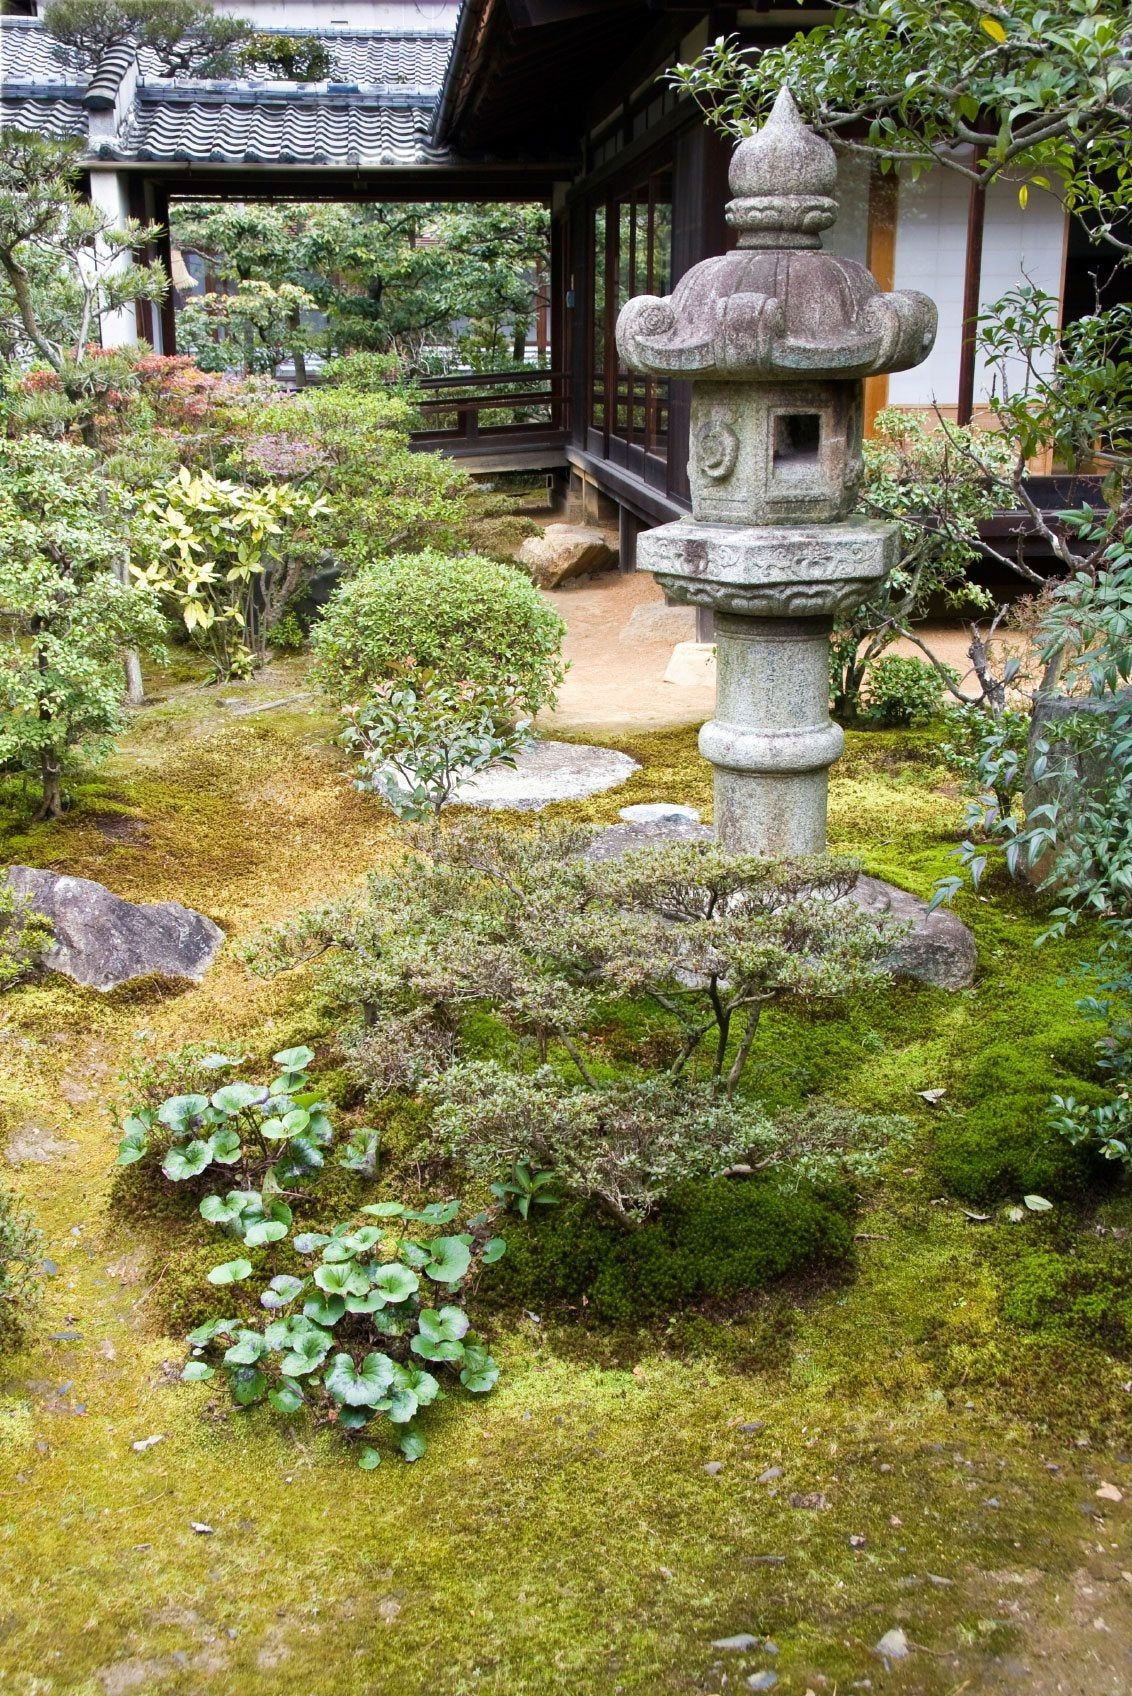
945 1398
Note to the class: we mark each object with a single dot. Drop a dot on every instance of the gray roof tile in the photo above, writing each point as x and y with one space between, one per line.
381 116
265 130
28 54
59 119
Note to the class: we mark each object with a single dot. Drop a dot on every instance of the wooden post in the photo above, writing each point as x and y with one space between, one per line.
972 283
626 539
880 254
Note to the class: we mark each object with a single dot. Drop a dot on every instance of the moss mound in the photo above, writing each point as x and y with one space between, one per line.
1082 1296
714 1241
1003 1147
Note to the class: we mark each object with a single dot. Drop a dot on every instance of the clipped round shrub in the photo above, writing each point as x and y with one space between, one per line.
465 618
714 1239
901 690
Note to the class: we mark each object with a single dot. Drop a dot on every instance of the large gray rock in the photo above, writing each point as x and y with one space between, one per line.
544 773
564 551
102 941
935 948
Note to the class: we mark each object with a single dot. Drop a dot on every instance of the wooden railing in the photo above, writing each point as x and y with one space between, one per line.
482 411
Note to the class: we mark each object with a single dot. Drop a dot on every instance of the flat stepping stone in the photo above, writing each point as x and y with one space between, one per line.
102 940
544 773
659 812
937 948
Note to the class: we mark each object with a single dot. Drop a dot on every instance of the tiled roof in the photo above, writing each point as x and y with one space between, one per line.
377 59
265 129
375 108
57 118
28 54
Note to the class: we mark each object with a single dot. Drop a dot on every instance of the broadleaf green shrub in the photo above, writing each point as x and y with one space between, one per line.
902 690
416 741
465 619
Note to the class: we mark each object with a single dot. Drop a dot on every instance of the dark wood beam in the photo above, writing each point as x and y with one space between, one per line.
972 284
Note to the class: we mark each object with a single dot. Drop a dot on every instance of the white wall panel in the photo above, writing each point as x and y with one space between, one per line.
931 232
850 235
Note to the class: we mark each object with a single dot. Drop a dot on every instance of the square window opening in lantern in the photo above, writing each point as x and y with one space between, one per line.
797 440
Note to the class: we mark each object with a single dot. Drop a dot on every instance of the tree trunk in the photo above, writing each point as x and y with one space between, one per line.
51 778
135 687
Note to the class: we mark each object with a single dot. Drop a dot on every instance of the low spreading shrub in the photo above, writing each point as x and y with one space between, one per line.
465 619
713 1240
21 1249
628 1145
521 923
25 937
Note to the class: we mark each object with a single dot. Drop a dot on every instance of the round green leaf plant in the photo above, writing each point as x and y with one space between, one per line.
356 1339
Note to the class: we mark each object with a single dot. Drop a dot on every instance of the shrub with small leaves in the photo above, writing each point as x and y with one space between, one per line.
415 741
354 1338
902 690
21 1248
464 618
25 937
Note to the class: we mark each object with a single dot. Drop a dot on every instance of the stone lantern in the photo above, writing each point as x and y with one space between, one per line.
777 338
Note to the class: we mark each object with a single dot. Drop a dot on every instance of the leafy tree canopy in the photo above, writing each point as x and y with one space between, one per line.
388 277
62 266
1041 89
185 35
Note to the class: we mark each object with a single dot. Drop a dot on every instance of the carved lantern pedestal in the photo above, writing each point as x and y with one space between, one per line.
777 338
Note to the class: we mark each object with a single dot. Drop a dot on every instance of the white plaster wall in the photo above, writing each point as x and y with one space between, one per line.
849 237
108 194
348 14
1019 245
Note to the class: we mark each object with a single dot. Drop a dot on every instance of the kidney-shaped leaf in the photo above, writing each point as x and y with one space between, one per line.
449 1259
248 1385
288 1398
246 1350
293 1059
480 1372
187 1162
225 1146
231 1272
181 1112
362 1386
445 1324
233 1098
265 1231
307 1352
395 1282
282 1289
